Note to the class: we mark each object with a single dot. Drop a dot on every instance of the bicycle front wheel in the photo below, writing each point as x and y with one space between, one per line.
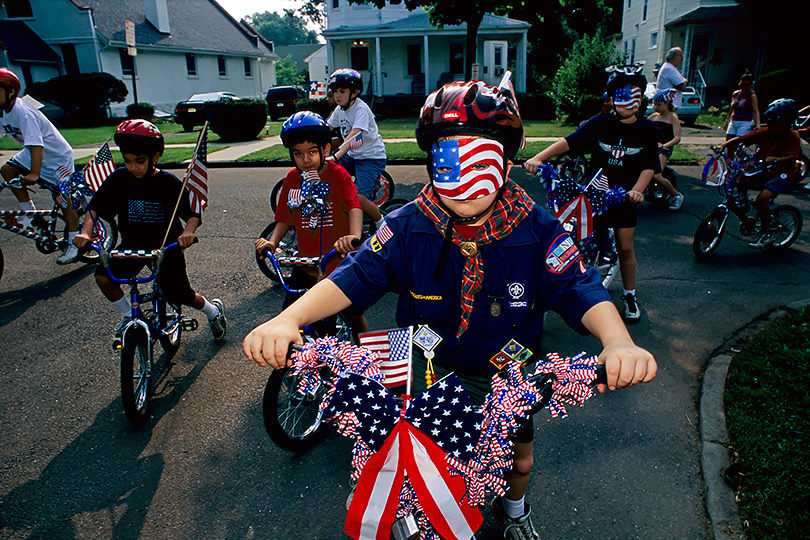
170 326
106 235
709 233
136 371
384 190
287 247
292 414
275 195
786 224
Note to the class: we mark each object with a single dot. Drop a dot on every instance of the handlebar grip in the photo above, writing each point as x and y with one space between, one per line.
601 374
356 243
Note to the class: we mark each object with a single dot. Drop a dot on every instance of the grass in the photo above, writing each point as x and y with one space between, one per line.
403 128
767 405
171 155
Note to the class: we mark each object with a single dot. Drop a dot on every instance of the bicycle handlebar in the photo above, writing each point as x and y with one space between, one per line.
134 254
321 263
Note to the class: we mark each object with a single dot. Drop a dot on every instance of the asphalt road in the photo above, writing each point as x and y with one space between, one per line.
71 467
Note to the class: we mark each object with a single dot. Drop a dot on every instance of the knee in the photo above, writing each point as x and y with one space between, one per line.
522 465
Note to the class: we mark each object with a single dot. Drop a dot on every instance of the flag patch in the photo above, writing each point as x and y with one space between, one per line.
561 254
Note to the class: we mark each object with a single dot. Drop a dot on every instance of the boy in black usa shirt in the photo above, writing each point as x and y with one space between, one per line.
624 146
142 198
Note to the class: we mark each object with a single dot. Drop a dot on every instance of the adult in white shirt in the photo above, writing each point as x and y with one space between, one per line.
670 77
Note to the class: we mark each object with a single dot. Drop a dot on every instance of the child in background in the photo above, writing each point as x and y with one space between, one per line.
668 126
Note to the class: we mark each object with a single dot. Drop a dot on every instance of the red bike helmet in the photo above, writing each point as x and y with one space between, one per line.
139 137
470 108
9 81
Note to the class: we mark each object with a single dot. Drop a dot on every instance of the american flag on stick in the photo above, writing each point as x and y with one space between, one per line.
599 181
196 177
356 141
99 168
394 348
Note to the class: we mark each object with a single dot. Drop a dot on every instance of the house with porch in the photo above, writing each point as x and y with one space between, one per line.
720 40
400 55
182 47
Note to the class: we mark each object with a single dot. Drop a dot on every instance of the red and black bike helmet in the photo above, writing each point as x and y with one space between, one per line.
470 108
139 137
9 81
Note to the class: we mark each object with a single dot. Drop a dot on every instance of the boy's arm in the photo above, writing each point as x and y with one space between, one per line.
344 243
187 236
86 234
636 193
346 143
271 244
268 343
36 165
625 362
559 147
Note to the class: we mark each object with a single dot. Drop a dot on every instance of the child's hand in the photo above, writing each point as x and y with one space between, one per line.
627 364
81 240
263 245
344 243
635 196
185 239
269 343
533 164
30 179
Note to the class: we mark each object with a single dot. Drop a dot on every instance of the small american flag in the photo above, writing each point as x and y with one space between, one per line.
356 141
197 175
99 168
394 349
599 181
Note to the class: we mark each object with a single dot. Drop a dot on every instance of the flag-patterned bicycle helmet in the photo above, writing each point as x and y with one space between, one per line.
305 126
621 76
470 108
664 96
345 77
139 137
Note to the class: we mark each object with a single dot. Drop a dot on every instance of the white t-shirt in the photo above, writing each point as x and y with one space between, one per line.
29 127
670 77
359 116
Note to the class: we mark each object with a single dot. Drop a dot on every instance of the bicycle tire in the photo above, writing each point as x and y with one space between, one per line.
656 194
392 205
804 169
605 260
574 166
709 233
136 370
384 190
287 246
275 194
2 264
106 235
786 225
168 313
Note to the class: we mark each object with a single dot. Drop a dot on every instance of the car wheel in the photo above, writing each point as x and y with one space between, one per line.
689 121
188 127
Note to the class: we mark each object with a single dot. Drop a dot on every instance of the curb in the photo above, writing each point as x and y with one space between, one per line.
720 499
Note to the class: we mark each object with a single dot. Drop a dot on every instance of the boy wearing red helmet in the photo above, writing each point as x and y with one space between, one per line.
142 198
46 155
479 263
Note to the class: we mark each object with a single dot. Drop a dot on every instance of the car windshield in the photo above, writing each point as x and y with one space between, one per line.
210 96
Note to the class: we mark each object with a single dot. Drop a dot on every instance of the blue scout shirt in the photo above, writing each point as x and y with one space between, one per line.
535 269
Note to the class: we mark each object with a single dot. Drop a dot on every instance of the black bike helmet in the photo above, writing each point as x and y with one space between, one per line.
621 76
305 126
139 137
474 108
781 111
346 78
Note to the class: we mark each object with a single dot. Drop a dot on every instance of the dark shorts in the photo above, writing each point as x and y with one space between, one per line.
775 184
366 173
172 278
620 216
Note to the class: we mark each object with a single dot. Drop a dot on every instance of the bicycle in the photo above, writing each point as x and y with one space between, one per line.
291 402
162 322
655 193
598 249
44 223
786 220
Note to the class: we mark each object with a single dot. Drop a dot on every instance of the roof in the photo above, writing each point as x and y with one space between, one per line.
24 45
710 14
299 52
201 25
418 22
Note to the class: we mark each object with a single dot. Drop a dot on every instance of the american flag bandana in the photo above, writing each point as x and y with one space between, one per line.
510 210
461 182
628 97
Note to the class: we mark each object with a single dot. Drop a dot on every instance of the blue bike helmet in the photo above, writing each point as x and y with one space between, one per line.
305 126
781 111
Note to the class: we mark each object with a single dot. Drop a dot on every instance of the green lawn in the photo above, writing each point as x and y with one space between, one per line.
402 128
171 155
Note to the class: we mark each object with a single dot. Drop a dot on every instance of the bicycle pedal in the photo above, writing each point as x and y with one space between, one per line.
189 324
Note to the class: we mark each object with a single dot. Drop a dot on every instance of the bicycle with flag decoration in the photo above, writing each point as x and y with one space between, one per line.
730 176
47 227
423 466
575 206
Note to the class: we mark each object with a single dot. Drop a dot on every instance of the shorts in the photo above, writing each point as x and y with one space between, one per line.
775 184
737 128
22 160
620 216
172 278
366 173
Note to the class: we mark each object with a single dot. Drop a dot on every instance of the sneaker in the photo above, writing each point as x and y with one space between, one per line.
514 528
632 311
219 324
119 332
676 202
764 240
71 255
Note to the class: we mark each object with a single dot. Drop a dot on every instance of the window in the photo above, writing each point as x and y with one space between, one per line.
335 4
359 56
69 58
633 51
191 65
625 50
414 52
644 11
223 68
653 40
248 67
456 58
127 63
18 9
395 2
629 3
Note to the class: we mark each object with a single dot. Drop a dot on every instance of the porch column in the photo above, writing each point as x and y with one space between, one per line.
521 62
378 89
428 84
330 56
687 49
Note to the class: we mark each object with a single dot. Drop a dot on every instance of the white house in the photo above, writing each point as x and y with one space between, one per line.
720 40
183 46
399 53
318 65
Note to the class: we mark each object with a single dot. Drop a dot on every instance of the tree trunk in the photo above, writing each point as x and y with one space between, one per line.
473 23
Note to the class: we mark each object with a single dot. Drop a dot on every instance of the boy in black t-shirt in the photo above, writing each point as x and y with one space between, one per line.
625 147
142 198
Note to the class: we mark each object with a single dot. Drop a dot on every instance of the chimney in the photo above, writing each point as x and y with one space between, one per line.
157 13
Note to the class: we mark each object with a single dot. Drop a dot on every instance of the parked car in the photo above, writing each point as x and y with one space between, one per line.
690 108
194 111
281 100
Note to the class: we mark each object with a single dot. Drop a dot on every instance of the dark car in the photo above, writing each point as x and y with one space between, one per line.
281 100
194 111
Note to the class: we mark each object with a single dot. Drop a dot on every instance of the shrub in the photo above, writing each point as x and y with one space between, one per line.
319 106
783 83
83 96
140 110
537 103
239 120
580 82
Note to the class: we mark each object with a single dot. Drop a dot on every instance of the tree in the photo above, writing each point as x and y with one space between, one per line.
287 72
287 29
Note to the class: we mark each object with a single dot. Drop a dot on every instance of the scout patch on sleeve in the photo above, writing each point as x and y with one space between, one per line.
561 254
383 235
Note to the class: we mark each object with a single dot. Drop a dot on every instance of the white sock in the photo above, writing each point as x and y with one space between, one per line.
211 311
631 291
514 509
123 306
379 224
70 236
